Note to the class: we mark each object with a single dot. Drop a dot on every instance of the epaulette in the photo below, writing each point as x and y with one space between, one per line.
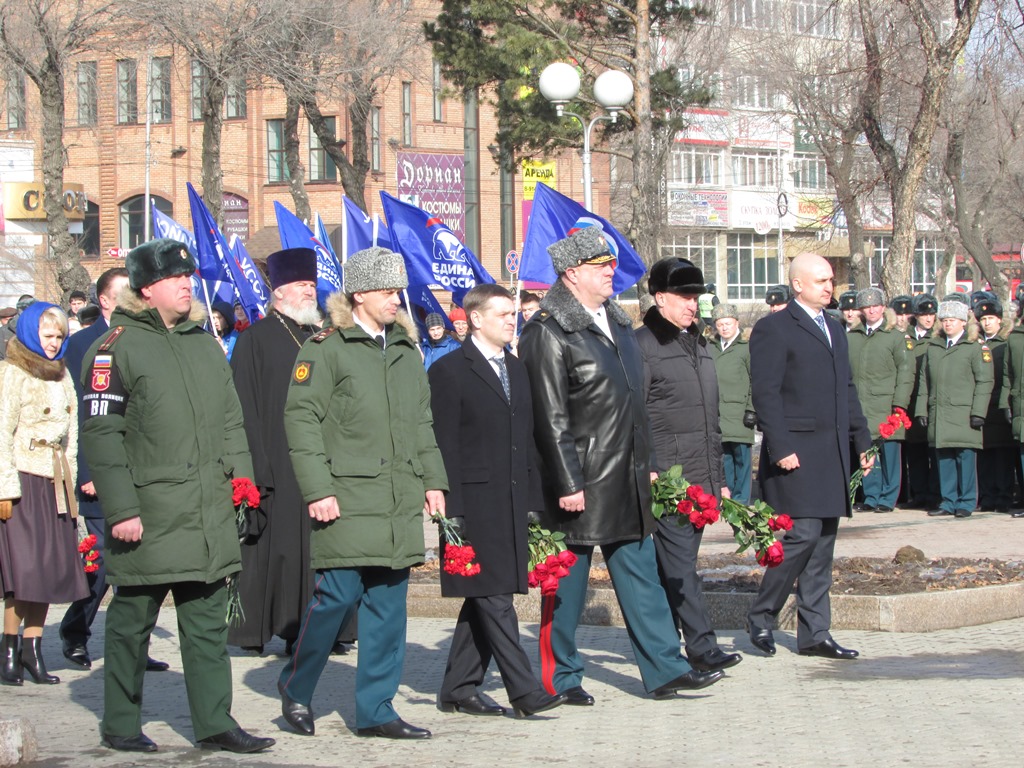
320 336
114 336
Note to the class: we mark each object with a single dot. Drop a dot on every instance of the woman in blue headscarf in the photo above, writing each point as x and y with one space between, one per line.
39 559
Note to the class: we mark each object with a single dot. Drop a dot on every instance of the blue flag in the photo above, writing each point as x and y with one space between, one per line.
216 261
423 304
295 234
433 254
328 268
216 290
358 228
554 217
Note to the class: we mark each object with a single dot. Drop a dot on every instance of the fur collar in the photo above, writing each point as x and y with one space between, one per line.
888 323
132 303
573 316
970 334
339 309
743 337
35 366
665 332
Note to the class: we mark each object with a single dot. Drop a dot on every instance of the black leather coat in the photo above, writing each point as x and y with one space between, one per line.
590 423
681 391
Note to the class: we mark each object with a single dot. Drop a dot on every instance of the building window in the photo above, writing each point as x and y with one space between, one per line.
753 265
321 166
200 82
928 255
127 91
753 92
438 88
160 89
89 241
406 114
754 14
375 138
699 247
696 165
16 102
817 18
88 99
277 166
133 218
809 173
236 104
755 169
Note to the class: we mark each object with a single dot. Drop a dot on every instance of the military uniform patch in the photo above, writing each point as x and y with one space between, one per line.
986 354
105 394
319 337
303 372
910 344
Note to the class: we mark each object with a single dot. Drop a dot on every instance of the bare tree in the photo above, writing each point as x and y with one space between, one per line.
914 66
39 38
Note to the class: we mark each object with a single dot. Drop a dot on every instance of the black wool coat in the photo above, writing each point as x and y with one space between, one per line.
487 446
806 404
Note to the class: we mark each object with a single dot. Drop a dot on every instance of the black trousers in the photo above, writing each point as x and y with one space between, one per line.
677 547
487 628
808 549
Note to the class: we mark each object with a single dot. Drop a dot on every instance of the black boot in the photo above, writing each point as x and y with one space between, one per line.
10 661
32 659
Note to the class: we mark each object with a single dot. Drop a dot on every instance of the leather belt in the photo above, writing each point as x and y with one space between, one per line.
63 481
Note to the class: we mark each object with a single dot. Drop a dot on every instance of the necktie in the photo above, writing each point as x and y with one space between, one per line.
949 343
820 320
380 340
870 331
503 375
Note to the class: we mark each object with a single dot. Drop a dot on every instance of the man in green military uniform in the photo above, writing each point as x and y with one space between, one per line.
1011 398
884 381
953 399
922 464
736 416
163 431
848 308
996 460
361 439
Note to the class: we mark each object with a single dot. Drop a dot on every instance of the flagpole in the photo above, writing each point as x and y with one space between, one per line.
519 307
344 231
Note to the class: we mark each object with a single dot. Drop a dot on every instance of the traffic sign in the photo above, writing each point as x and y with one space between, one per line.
117 253
512 262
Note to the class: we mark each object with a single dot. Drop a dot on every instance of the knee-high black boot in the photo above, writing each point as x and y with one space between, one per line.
10 660
32 660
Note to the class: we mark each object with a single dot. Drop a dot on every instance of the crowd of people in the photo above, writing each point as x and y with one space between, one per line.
350 429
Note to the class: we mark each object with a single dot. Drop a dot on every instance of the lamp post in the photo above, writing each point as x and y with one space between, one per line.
613 90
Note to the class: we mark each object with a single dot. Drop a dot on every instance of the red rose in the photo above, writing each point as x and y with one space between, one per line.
694 492
684 507
780 523
532 580
549 586
697 519
541 569
711 515
771 557
567 558
886 430
707 501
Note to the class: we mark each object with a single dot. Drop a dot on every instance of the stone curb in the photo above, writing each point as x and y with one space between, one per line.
17 741
916 612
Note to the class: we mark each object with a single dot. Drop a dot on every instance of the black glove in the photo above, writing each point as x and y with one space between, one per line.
977 422
922 420
749 419
1008 415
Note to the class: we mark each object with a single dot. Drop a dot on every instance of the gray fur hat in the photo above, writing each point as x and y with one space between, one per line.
957 309
587 245
375 269
957 296
870 297
724 310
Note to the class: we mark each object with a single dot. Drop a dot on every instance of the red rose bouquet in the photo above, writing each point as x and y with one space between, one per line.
86 548
896 421
458 552
550 561
752 525
245 497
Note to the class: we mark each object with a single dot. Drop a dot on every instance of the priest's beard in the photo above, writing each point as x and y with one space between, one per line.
303 314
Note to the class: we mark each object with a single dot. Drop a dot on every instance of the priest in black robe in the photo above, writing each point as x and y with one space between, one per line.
276 582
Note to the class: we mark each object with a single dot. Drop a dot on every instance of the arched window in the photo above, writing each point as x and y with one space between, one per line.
132 213
89 240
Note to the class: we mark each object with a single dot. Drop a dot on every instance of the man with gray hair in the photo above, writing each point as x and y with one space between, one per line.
885 381
361 439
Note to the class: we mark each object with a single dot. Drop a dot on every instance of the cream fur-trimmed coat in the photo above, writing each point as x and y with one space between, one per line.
37 401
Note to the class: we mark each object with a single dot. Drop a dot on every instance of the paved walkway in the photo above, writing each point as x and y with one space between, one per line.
945 698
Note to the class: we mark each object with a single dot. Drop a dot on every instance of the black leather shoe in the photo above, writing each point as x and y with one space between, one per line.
577 697
714 660
763 640
536 702
340 648
829 649
140 742
78 655
693 680
396 729
939 512
861 507
1017 513
962 513
298 716
883 508
472 705
236 740
152 665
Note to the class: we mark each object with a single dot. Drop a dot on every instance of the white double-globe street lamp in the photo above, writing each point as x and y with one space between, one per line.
613 90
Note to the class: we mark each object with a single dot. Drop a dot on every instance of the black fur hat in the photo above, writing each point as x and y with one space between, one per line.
157 260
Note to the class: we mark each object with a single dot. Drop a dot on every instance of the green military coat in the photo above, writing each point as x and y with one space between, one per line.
915 357
360 428
163 431
957 384
733 369
996 432
882 373
1012 393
